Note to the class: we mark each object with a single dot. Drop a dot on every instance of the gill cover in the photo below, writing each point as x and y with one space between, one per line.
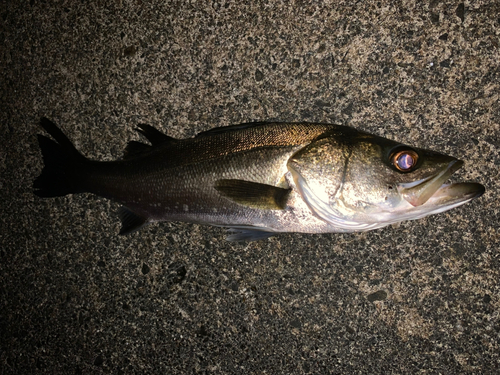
319 171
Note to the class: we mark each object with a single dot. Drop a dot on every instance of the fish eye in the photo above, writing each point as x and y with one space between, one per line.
404 161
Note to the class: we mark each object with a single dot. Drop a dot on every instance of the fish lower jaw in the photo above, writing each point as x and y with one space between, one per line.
460 192
419 192
447 197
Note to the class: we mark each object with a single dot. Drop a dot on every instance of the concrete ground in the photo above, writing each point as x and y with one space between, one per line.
422 297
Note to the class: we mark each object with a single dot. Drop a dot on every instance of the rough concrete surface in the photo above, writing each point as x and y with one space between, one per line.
422 297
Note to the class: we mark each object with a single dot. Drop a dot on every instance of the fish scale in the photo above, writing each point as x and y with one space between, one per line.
260 179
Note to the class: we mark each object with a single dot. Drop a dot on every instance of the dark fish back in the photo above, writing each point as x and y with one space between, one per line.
220 142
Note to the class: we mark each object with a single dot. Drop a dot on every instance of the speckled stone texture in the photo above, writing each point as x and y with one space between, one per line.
75 298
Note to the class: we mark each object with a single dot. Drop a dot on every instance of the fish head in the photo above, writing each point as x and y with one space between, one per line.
356 181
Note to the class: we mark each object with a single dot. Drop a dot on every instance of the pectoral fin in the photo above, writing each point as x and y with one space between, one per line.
253 194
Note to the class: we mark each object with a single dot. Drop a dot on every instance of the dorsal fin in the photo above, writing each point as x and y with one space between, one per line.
153 135
224 129
134 149
156 137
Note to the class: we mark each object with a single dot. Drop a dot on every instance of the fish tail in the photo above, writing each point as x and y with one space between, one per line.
61 161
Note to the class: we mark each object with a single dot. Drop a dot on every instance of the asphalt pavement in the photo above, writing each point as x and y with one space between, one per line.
421 297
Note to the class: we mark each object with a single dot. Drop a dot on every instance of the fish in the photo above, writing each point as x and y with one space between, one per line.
260 179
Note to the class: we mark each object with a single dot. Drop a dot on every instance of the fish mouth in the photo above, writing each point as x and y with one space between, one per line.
450 194
434 190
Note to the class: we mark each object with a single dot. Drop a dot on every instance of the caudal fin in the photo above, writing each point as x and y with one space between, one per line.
61 160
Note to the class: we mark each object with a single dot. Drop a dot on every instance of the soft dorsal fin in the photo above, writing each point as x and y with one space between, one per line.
224 129
253 194
153 135
134 149
156 137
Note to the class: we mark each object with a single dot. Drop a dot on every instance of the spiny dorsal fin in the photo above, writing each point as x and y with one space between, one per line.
153 135
131 221
253 194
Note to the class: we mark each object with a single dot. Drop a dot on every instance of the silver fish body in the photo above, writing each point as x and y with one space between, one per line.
261 179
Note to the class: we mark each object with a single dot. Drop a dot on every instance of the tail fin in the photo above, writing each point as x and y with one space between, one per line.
61 158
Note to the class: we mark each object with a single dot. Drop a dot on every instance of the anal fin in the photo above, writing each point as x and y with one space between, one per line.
253 194
131 221
248 233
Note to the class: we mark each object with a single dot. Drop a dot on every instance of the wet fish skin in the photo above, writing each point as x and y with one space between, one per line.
258 179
